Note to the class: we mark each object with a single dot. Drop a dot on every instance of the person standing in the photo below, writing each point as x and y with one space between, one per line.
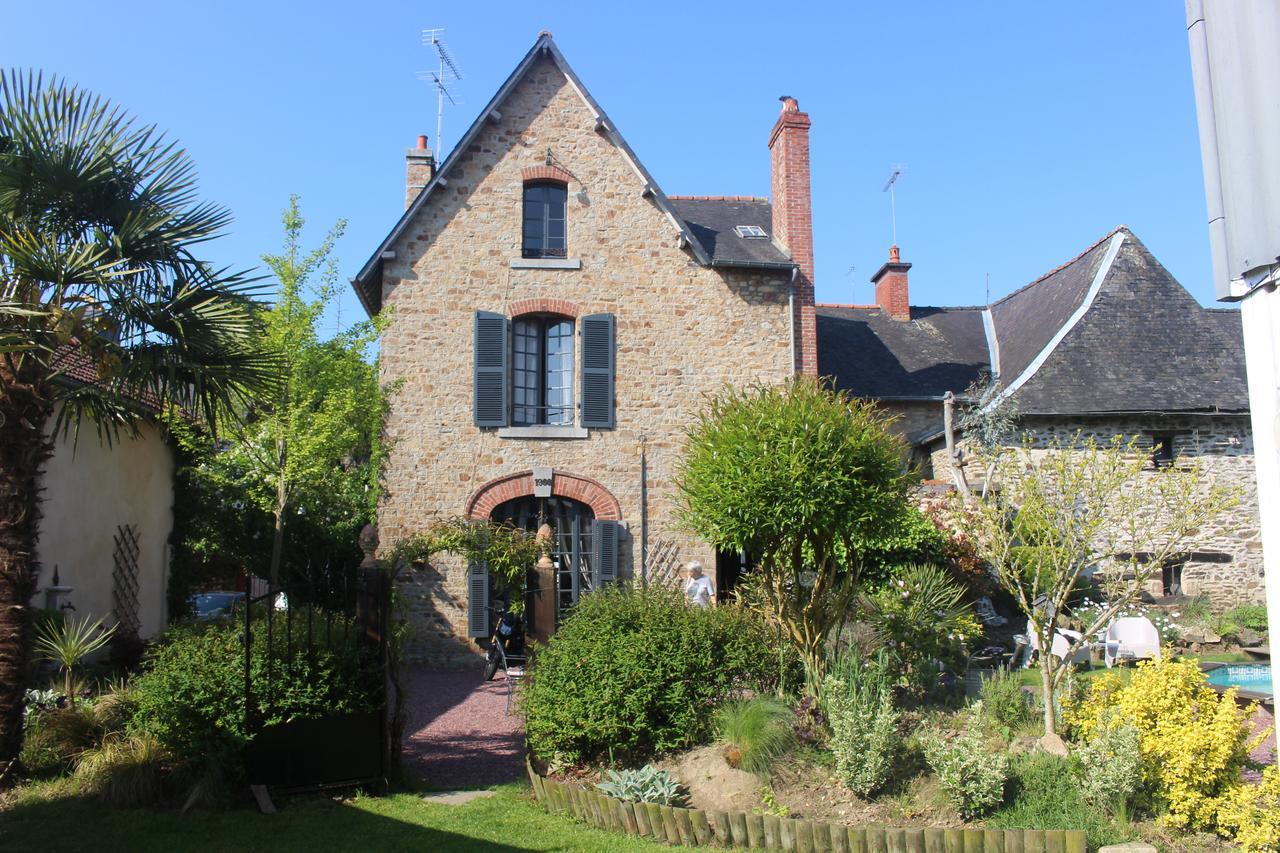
698 590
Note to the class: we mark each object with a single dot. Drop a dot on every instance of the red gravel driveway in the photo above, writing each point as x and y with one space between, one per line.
457 731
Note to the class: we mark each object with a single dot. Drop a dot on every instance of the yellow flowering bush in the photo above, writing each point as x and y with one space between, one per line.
1251 814
1194 743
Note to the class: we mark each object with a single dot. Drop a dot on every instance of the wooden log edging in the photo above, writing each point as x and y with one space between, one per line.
689 827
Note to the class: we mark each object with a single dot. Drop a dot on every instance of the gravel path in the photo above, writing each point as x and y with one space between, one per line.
457 732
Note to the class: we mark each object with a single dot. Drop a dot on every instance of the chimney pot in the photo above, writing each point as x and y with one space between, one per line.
789 104
894 256
892 294
422 142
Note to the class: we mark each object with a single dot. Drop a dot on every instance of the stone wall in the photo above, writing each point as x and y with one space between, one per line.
683 332
1223 445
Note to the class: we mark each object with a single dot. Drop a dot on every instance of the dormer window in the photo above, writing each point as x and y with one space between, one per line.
751 232
544 225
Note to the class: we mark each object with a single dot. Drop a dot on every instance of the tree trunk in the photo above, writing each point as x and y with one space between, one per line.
277 538
1046 692
24 449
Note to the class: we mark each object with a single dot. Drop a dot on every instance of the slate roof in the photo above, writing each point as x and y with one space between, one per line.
873 355
1109 331
713 221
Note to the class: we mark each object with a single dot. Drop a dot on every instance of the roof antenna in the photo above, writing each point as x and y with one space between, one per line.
893 202
447 73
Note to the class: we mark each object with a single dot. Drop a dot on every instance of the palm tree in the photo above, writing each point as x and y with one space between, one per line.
102 304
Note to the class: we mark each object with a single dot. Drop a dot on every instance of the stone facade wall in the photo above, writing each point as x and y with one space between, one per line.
1223 445
683 333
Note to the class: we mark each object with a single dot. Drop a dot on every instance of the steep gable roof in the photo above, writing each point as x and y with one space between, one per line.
713 221
368 281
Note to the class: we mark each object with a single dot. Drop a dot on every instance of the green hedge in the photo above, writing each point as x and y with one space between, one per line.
633 672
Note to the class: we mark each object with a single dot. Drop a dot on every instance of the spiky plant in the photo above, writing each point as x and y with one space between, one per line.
105 309
69 642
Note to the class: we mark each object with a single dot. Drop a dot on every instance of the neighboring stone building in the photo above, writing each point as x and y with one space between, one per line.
557 323
583 337
1107 344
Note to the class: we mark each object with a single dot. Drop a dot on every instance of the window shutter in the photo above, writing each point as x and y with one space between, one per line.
492 397
598 371
478 599
604 552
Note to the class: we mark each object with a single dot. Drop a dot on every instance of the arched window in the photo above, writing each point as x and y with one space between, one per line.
542 370
544 226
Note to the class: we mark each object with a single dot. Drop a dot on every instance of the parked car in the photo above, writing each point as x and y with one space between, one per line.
214 605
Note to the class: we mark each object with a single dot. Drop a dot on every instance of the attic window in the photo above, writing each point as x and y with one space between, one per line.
750 232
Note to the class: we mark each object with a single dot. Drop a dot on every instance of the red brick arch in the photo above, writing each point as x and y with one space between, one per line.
485 499
545 306
545 173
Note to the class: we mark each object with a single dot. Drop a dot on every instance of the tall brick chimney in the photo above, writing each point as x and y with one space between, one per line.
419 166
891 287
793 221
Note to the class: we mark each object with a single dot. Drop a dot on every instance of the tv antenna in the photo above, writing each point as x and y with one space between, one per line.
893 202
441 78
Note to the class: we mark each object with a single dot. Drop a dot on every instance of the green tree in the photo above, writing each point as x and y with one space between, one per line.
99 225
802 477
1056 515
299 480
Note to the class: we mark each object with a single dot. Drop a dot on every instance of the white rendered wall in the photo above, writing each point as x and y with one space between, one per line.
89 490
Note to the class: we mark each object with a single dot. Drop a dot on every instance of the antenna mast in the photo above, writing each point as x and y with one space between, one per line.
447 73
893 202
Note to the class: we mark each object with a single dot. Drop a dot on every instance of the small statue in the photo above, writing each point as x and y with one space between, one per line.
369 545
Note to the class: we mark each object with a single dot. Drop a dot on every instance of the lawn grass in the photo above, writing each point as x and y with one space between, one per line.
508 822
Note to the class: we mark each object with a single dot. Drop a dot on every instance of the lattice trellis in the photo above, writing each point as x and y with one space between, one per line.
124 592
663 564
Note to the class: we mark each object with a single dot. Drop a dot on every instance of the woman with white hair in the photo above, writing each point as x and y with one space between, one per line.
698 590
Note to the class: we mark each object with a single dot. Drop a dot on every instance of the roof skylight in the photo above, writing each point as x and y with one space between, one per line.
750 232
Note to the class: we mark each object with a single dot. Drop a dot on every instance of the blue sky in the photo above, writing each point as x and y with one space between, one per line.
1028 130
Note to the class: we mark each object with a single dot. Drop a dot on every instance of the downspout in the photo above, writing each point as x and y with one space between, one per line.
791 315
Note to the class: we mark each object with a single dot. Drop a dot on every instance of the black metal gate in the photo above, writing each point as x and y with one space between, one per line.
295 634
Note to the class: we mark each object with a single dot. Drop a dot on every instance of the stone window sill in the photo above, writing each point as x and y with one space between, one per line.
543 432
546 263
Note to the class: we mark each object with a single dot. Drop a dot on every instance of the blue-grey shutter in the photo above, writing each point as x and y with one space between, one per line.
598 371
478 599
604 552
492 396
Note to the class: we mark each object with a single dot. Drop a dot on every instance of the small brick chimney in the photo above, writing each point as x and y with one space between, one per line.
891 287
419 166
793 221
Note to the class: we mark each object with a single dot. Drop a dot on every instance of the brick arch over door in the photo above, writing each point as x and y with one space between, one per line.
602 502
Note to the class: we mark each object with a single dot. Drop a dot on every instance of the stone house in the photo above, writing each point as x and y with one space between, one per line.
1107 344
556 322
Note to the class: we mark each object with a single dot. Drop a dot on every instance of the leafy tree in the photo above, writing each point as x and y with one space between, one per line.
298 481
802 476
1056 514
99 226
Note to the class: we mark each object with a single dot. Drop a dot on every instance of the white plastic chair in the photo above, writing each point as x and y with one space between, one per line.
1061 645
1131 638
513 669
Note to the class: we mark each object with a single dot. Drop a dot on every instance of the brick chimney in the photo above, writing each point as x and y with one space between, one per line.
419 166
891 287
793 221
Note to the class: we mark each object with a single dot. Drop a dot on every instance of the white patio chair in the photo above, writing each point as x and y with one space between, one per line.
1131 638
513 669
1061 645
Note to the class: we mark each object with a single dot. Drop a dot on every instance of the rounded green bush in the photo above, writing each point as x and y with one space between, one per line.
636 672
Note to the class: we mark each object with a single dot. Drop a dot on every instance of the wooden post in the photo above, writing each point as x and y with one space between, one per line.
669 824
839 838
723 833
1033 841
755 831
857 839
1055 841
738 829
1076 841
895 840
656 827
935 841
685 826
821 837
804 836
993 841
914 840
628 814
701 831
876 842
954 840
772 832
973 840
787 834
1013 841
642 820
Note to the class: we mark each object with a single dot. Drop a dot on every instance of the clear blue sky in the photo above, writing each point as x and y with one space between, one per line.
1028 130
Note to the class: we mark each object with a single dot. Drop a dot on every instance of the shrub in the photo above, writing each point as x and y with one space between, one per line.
646 785
922 618
1250 814
1041 796
971 774
756 731
635 672
126 772
1005 702
1251 616
192 696
1111 767
40 754
1194 743
858 702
